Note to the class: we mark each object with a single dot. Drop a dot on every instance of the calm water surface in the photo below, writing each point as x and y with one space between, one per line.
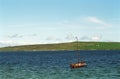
55 65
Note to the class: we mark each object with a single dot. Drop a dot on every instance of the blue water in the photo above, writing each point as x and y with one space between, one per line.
55 65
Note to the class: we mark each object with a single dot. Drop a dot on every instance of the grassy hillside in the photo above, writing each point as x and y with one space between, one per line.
66 46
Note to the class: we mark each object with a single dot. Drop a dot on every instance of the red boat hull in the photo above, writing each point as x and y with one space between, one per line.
78 65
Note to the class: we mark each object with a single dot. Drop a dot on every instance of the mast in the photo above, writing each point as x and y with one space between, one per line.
79 64
78 55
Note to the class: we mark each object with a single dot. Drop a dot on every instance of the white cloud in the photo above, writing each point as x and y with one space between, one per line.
7 43
97 21
96 38
91 38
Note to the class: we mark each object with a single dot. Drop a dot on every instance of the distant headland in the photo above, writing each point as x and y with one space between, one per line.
65 46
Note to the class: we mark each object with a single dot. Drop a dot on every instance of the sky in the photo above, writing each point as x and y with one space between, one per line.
25 22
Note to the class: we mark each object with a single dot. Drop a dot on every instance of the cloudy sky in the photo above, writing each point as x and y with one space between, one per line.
54 21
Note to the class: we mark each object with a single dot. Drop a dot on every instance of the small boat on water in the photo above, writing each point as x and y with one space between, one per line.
79 64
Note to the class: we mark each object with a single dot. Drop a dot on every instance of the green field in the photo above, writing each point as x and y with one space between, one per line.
66 46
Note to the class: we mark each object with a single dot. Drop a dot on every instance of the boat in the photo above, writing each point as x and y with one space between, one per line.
78 64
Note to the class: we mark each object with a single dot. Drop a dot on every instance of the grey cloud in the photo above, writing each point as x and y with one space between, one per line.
21 36
15 36
70 37
33 34
54 39
50 38
91 38
85 38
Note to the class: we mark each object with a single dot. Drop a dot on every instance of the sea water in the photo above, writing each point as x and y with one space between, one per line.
56 65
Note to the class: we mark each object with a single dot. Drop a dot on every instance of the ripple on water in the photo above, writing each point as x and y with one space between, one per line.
55 65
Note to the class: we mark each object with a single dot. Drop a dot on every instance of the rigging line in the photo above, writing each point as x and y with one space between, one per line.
78 55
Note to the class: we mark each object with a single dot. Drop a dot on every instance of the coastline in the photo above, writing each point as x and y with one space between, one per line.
66 46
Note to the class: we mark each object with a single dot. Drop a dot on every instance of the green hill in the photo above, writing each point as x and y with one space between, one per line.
66 46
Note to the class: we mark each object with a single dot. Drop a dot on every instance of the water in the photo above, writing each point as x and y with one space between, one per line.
55 65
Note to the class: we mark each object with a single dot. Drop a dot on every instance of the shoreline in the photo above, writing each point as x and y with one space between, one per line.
71 46
53 50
